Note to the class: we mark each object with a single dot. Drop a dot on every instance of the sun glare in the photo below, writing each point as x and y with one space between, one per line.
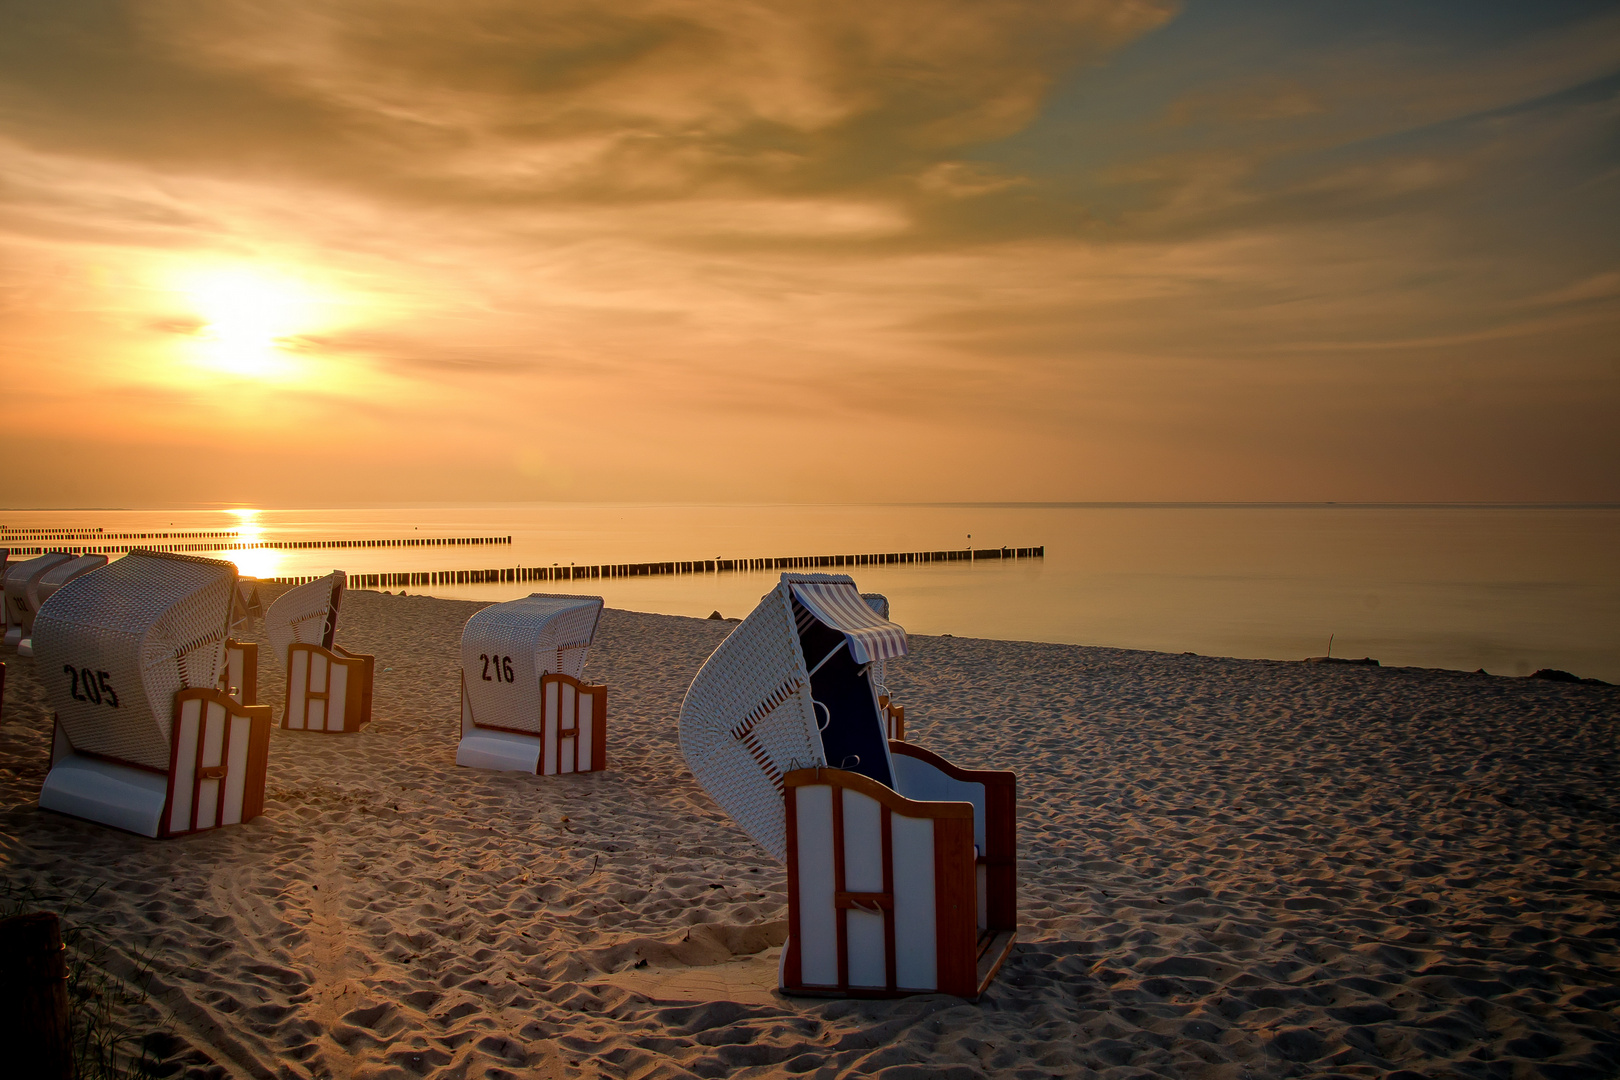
255 562
248 315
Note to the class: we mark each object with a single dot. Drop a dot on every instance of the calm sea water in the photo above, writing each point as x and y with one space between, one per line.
1502 588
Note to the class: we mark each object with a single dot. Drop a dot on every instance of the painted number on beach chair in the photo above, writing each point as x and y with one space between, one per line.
96 687
502 667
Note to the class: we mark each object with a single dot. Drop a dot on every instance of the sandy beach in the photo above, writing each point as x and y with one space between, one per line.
1228 869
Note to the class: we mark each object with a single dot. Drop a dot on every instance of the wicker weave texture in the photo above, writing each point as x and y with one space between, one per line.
748 718
22 579
540 633
300 614
152 624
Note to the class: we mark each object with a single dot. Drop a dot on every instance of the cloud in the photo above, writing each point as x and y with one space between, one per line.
509 101
717 249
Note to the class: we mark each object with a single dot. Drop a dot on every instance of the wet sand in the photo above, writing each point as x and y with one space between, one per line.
1227 869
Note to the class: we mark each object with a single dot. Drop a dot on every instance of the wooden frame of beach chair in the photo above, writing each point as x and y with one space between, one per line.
572 734
894 715
44 586
524 705
328 687
894 719
240 679
22 578
144 740
889 895
902 871
219 758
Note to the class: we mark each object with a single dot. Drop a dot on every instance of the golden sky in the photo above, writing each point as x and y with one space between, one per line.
322 253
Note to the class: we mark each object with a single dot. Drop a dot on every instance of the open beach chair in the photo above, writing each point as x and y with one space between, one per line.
902 871
130 655
524 704
328 687
42 589
22 577
894 715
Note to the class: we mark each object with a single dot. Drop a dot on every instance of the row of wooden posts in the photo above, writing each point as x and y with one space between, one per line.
279 545
404 579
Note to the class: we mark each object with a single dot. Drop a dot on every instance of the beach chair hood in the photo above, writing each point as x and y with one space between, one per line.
751 714
116 644
539 634
306 613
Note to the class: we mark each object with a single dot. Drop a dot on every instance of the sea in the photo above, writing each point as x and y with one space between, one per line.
1507 589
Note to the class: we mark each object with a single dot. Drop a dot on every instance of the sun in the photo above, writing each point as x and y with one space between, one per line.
247 316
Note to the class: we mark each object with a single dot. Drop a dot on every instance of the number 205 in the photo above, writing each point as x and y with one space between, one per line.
95 685
500 665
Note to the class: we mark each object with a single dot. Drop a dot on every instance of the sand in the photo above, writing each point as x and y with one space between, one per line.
1228 869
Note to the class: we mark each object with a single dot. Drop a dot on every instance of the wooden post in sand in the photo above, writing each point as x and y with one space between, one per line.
35 1030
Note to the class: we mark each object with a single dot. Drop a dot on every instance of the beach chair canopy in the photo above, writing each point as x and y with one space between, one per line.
506 648
880 670
306 613
56 577
790 688
22 579
114 645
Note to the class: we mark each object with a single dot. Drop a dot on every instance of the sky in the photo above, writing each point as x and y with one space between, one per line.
382 251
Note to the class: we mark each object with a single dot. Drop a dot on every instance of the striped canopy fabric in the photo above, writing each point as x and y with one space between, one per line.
838 605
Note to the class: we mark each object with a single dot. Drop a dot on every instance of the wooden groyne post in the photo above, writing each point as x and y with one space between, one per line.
406 579
35 1029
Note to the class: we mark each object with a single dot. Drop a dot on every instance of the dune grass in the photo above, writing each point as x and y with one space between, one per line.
106 1043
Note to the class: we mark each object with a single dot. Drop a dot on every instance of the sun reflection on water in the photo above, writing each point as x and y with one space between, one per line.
253 562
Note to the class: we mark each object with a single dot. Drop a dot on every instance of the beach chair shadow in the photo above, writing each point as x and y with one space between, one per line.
131 655
901 867
328 687
524 704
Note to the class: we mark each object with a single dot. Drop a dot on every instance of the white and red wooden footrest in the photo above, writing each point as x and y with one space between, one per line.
890 895
218 754
569 736
327 689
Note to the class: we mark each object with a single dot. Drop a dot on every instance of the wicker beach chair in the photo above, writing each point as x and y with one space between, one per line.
130 655
894 715
44 587
901 867
22 578
328 687
524 704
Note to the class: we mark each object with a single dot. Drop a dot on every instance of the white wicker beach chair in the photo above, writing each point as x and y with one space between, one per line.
44 586
328 687
902 874
894 715
130 655
21 578
524 704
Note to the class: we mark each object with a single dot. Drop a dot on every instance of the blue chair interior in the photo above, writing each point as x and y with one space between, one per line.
846 704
